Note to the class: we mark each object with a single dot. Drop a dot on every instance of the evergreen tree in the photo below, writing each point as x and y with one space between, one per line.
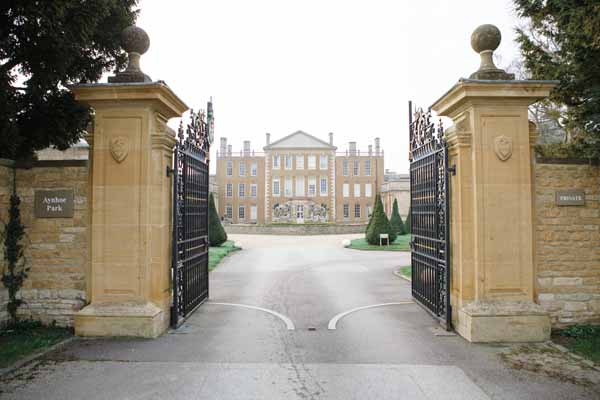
45 46
216 233
379 224
560 40
15 271
407 228
396 219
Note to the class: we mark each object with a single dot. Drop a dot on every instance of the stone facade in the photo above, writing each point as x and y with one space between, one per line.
567 240
56 249
298 179
295 229
396 187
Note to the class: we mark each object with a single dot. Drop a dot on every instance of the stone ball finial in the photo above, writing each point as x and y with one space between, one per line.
135 40
484 40
486 37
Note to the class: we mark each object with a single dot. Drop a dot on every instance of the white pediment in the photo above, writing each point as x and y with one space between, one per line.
299 140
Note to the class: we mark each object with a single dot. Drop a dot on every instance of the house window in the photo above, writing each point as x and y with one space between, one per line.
323 186
368 190
312 185
253 169
299 186
357 211
276 160
229 190
228 211
241 190
242 168
356 170
345 167
369 212
346 211
253 213
288 186
229 168
241 213
368 167
276 188
312 162
357 190
323 162
253 190
346 190
300 161
288 161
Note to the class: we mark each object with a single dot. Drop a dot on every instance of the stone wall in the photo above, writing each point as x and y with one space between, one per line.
568 243
295 229
56 249
6 184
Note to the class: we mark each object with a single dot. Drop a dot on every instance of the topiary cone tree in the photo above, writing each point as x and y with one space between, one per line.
379 224
407 222
396 219
216 233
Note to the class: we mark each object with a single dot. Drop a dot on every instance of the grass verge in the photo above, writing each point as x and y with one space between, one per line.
217 253
405 272
26 338
402 243
583 340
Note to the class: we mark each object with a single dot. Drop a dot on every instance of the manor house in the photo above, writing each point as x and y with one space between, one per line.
298 179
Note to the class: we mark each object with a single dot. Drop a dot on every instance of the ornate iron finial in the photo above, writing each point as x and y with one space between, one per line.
135 42
484 40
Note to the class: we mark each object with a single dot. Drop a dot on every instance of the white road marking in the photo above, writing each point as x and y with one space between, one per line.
333 322
288 322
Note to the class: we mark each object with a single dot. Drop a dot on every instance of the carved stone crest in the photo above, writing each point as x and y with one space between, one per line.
119 148
503 147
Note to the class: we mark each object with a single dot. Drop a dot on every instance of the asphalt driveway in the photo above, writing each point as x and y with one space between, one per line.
264 334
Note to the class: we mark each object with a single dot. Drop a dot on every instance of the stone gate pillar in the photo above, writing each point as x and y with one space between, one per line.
492 238
129 200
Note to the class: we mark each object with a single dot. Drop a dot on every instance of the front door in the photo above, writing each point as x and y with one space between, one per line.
300 213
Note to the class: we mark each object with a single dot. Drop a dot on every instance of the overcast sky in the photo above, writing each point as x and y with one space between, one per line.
341 66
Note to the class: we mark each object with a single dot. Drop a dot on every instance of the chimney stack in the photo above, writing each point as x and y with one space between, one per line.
229 150
246 148
352 148
223 150
331 138
376 146
370 149
268 139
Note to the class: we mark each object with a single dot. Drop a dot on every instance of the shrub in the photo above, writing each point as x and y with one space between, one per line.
379 224
396 220
216 232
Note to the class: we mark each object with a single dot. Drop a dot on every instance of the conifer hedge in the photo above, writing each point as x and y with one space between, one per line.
216 233
379 224
396 219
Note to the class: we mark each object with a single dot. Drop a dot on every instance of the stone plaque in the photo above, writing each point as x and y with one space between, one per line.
53 203
574 197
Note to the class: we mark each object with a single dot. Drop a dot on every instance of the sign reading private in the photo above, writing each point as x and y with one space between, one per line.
574 197
53 203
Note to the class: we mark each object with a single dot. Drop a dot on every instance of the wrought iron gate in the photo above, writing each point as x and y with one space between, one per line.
429 218
190 216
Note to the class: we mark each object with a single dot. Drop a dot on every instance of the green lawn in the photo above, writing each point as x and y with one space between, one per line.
402 243
405 272
216 254
28 338
581 339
